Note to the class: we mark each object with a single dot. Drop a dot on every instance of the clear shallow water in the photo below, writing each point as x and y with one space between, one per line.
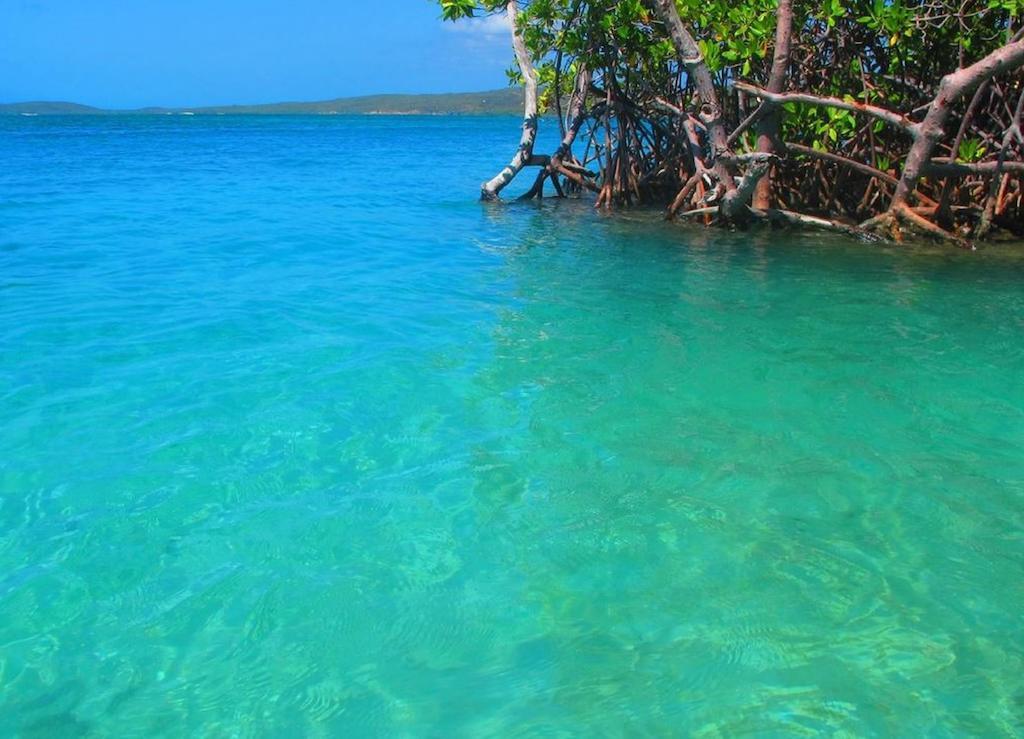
297 438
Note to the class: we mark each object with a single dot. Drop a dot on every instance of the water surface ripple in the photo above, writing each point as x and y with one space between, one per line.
298 439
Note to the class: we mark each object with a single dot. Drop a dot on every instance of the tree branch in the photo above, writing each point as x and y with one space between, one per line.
842 161
894 119
944 166
952 88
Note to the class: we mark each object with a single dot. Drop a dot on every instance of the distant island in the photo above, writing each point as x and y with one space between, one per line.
492 102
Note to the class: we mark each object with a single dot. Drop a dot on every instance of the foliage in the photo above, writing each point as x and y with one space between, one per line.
888 53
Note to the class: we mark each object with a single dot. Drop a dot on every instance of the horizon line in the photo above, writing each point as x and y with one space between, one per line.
323 101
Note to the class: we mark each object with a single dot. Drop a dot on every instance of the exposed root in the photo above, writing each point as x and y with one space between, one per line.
713 210
735 205
788 217
900 221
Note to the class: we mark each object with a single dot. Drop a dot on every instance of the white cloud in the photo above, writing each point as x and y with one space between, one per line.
488 26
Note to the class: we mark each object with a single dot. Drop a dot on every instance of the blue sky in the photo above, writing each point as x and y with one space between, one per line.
132 53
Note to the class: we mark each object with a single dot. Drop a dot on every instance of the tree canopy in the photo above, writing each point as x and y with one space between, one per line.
872 116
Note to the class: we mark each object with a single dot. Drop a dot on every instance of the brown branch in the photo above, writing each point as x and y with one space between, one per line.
999 181
892 118
689 187
842 161
952 88
947 187
666 106
762 110
947 168
893 221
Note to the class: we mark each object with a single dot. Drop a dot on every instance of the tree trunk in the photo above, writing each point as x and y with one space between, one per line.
768 127
491 190
697 70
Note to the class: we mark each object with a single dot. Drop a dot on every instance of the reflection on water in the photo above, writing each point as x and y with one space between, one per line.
285 452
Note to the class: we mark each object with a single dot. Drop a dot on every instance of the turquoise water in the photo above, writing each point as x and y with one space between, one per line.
296 438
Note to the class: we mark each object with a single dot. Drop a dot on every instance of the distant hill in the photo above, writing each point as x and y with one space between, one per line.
47 108
493 102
